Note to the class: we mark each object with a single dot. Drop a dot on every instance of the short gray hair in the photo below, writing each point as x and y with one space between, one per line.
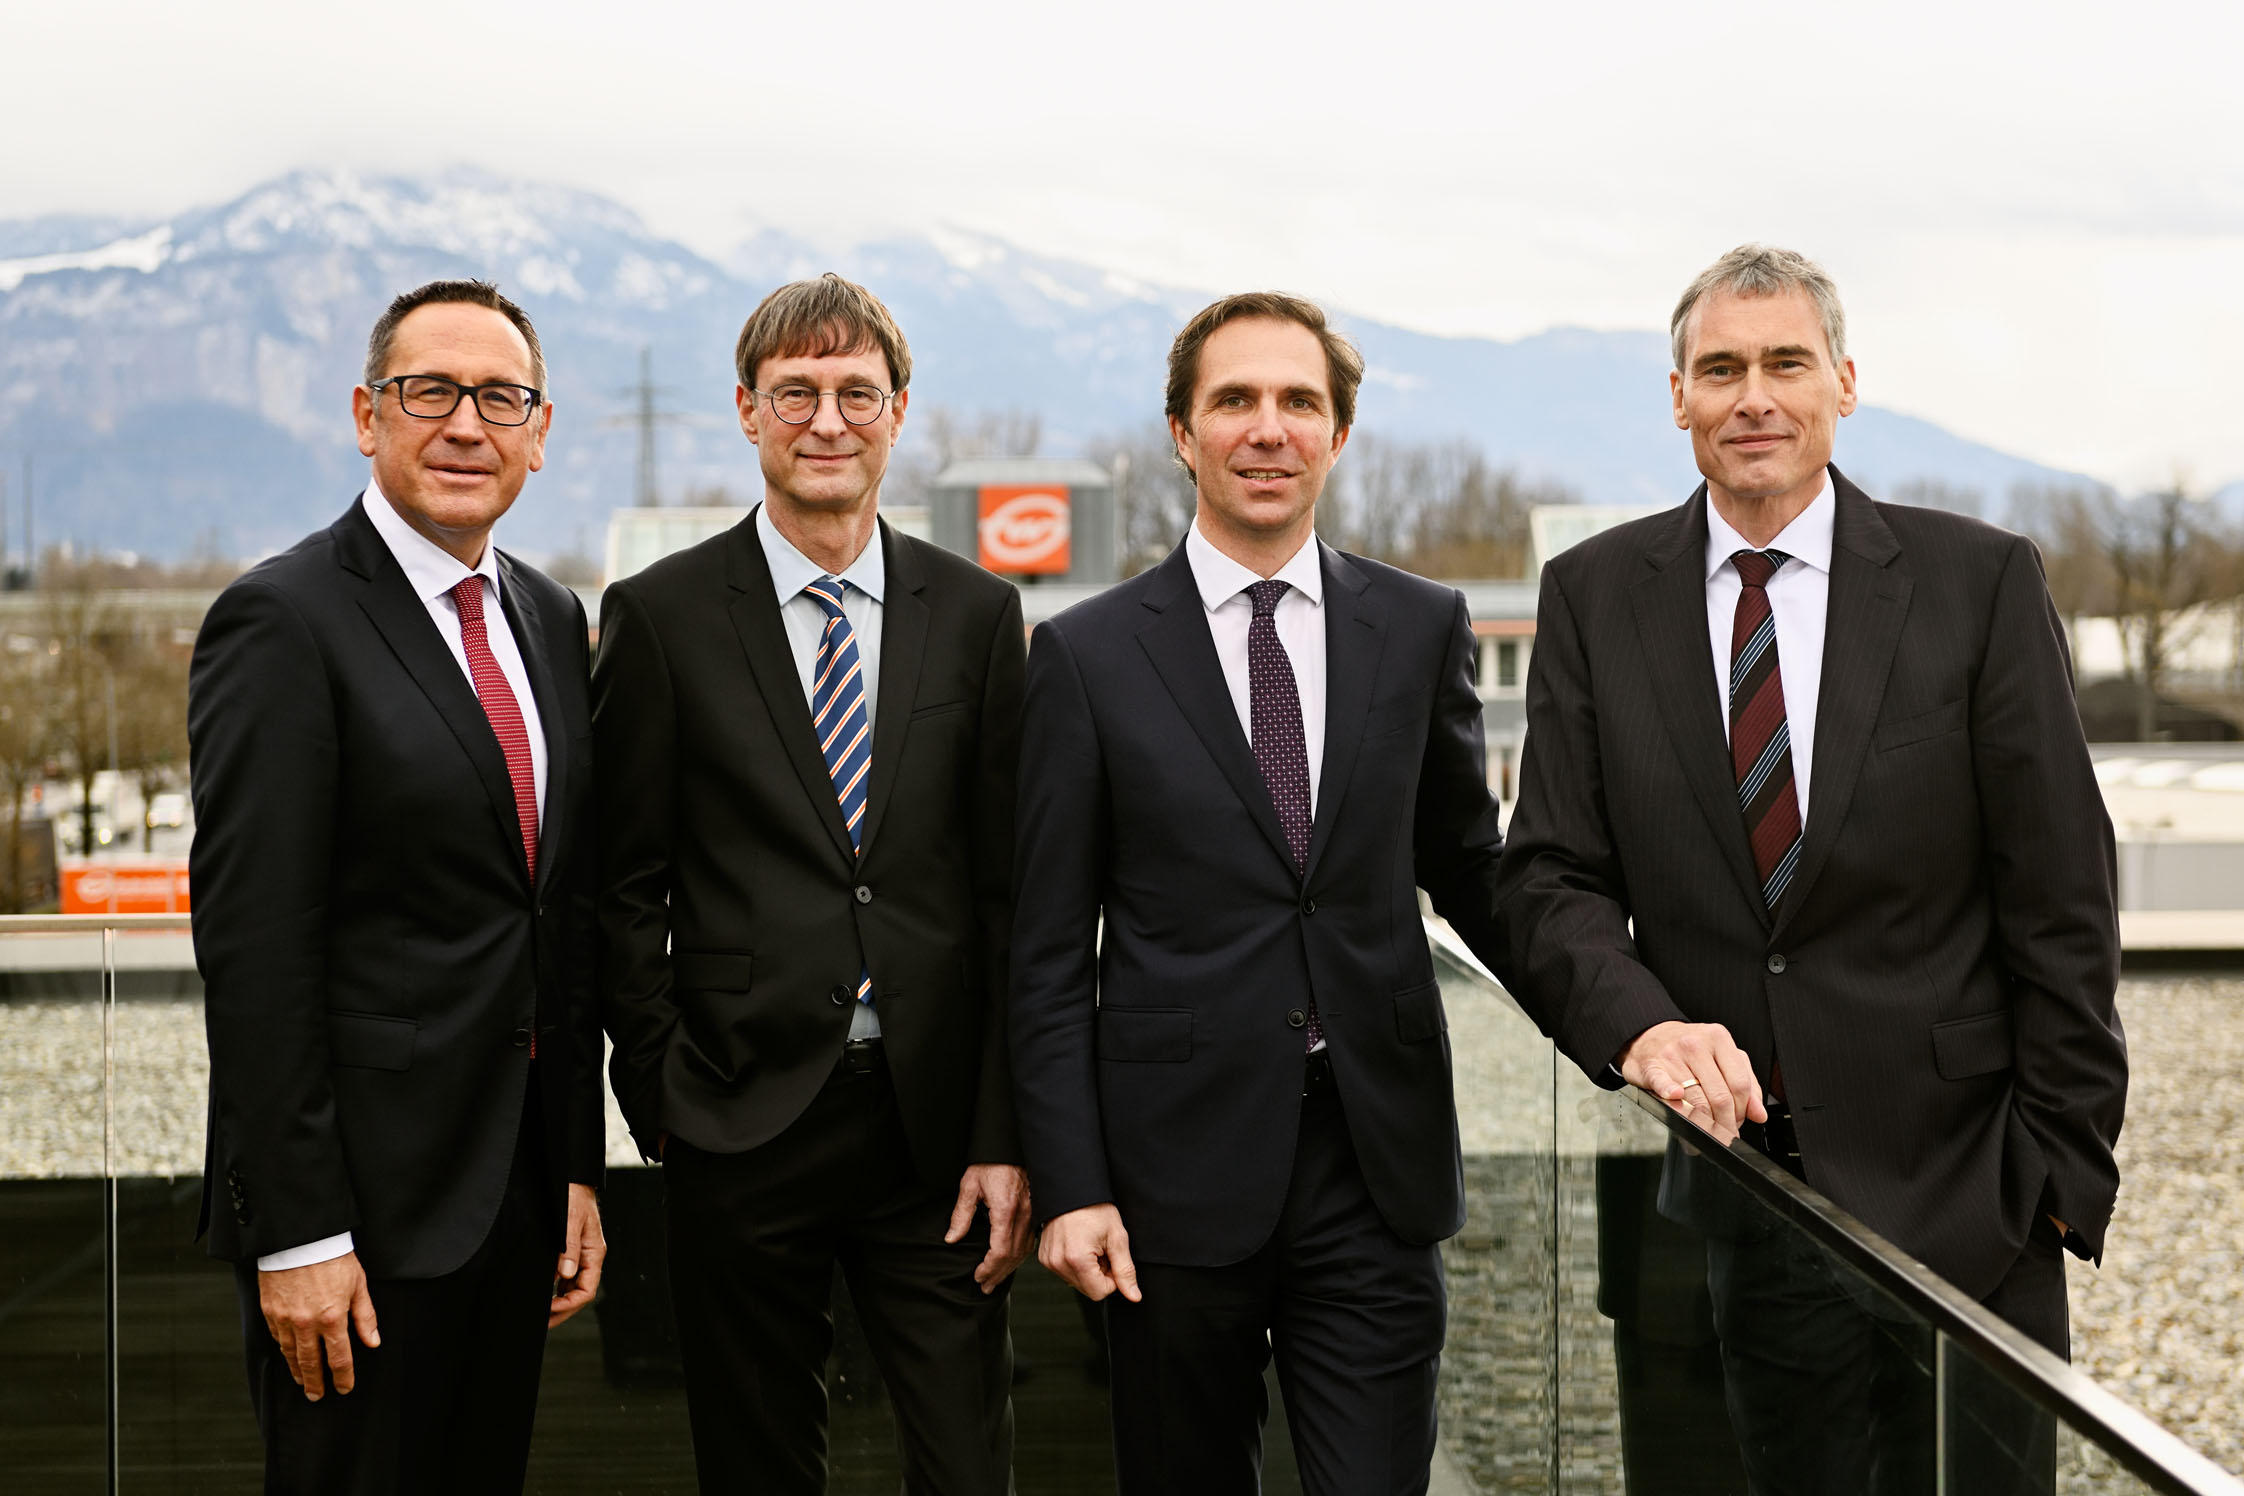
1764 270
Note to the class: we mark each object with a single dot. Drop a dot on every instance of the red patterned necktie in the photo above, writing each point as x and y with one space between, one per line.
1760 737
506 717
1281 748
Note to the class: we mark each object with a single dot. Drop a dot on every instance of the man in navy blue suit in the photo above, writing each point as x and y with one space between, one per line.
1237 1110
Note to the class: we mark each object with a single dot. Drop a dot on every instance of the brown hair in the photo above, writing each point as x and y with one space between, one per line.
819 319
1344 365
465 293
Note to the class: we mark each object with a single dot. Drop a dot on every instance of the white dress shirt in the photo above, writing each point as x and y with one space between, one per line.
805 621
433 572
1300 621
1799 599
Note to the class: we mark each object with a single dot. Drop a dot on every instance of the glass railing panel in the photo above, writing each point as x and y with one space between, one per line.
184 1419
1499 1407
54 1229
1732 1330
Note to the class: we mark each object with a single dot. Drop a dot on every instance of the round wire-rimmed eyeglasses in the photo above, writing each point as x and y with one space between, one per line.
796 404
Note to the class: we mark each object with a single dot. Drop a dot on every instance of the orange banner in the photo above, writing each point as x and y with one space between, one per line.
1024 528
125 888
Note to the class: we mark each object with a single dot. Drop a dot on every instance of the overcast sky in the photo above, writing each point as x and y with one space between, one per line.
2036 212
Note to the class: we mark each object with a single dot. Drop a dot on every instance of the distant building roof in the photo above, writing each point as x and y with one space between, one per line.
1552 528
1071 472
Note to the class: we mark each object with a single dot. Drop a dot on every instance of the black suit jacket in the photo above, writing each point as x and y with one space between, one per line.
736 916
1160 1069
372 949
1938 977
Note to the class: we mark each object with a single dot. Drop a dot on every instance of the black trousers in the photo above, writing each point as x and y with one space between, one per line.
446 1402
755 1239
1354 1315
1832 1390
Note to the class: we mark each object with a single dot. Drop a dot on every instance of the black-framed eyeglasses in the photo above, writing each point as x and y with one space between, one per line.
433 398
860 404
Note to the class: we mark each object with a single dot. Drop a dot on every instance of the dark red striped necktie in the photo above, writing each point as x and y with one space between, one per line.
506 716
1760 737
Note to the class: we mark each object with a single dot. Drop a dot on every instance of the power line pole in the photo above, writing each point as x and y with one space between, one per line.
646 414
650 494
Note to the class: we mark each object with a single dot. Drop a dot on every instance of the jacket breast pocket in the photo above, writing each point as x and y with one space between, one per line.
1397 716
1145 1034
371 1041
939 709
712 971
1938 722
1418 1013
1978 1045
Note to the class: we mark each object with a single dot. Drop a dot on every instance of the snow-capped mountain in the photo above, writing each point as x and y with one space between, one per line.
185 384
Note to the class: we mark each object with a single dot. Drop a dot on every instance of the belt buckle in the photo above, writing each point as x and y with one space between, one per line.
859 1056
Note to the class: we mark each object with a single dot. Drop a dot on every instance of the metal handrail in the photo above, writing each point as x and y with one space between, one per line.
88 924
2148 1452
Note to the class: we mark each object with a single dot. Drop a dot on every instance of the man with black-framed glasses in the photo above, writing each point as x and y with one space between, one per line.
808 730
393 879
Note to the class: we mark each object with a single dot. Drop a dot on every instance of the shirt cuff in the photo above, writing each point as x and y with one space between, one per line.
326 1249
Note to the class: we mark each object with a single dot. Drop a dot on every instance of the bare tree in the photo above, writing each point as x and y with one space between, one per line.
936 437
25 692
990 433
151 684
84 634
2068 522
1439 509
1154 493
1932 493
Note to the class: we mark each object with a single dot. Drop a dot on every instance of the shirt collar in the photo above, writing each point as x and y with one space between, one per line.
430 570
1807 539
1221 579
792 571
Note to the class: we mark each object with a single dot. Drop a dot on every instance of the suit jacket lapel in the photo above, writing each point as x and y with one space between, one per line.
403 621
903 646
1183 653
1862 628
770 660
763 636
526 619
1355 641
1670 600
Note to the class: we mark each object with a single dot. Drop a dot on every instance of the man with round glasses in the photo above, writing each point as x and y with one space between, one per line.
808 729
393 880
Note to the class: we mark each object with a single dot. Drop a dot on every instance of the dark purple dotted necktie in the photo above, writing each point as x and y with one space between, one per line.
1281 749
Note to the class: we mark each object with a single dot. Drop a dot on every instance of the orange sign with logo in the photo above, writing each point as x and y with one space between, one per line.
125 888
1024 528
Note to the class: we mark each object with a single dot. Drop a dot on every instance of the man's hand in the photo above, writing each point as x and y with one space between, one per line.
1697 1069
1004 1189
582 1253
1090 1251
309 1309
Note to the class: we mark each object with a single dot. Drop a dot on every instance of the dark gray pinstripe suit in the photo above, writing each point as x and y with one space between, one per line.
1939 977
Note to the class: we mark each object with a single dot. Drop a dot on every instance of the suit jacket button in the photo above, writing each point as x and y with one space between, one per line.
241 1217
864 894
1296 1018
1776 966
839 997
1308 906
521 1038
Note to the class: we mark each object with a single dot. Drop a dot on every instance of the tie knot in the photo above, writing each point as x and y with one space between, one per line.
827 593
468 596
1265 595
1756 567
